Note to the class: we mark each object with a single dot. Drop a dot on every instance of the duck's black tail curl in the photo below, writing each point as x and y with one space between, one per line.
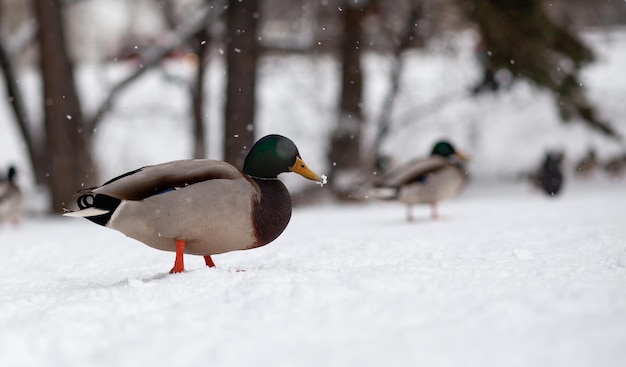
105 203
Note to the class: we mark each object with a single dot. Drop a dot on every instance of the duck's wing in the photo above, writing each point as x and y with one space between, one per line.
151 180
413 171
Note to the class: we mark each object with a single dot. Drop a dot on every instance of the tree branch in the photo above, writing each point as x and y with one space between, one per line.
402 43
523 39
204 16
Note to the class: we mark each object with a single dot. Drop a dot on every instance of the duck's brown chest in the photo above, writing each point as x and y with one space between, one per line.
272 212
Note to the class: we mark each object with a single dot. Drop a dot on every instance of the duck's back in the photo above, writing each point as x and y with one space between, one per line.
411 172
434 186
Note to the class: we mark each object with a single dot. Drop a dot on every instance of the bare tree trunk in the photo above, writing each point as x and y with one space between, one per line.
197 100
241 59
33 142
345 141
70 164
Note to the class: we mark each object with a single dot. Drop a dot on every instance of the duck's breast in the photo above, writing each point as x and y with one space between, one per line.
272 213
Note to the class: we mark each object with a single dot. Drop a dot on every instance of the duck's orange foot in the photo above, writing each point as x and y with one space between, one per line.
179 265
176 270
208 261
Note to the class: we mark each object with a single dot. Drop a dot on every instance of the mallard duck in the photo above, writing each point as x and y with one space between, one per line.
426 180
10 198
201 207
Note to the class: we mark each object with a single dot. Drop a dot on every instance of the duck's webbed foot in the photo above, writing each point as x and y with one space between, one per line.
209 262
179 264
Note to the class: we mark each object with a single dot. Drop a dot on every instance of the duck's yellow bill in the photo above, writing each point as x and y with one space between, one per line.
462 156
300 168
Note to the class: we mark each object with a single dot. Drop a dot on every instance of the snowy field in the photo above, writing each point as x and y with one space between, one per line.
508 277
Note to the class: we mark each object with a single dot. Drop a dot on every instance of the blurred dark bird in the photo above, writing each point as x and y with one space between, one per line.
10 198
549 176
616 166
425 180
586 167
200 206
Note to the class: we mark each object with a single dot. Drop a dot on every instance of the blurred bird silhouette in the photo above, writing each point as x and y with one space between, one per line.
10 198
587 166
425 180
549 176
616 166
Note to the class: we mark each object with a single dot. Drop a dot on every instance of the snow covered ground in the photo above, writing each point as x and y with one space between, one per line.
508 277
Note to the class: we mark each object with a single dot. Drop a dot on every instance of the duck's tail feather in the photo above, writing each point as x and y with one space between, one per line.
97 208
87 212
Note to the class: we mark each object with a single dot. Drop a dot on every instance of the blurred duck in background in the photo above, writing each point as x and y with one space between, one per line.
616 166
549 176
586 167
425 180
10 198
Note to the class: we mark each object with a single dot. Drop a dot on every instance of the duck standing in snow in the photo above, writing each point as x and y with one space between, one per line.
10 198
201 207
426 180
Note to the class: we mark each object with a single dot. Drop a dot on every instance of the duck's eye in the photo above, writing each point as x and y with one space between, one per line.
85 201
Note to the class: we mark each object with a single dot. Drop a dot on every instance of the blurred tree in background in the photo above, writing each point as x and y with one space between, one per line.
68 160
532 39
61 154
521 37
199 45
345 139
241 45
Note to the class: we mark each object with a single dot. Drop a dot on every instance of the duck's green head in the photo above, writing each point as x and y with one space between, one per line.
445 149
273 155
